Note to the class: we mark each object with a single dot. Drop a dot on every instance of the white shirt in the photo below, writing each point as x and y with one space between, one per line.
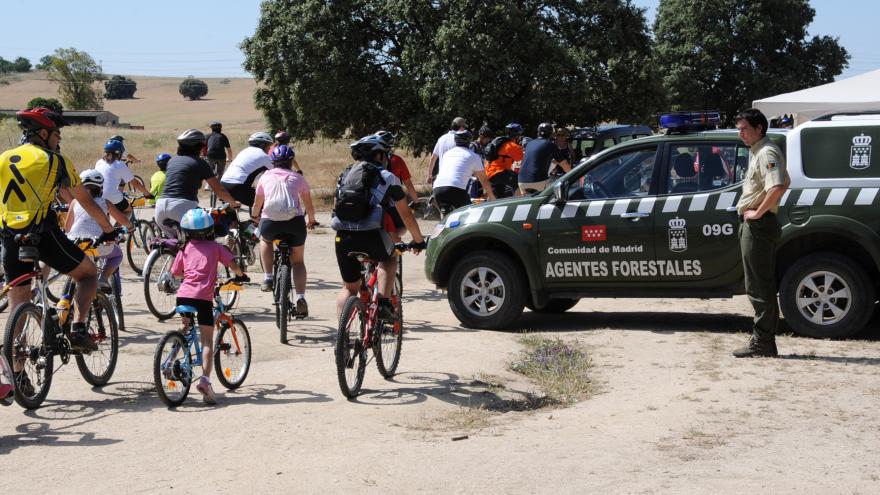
248 161
457 166
86 227
445 143
114 174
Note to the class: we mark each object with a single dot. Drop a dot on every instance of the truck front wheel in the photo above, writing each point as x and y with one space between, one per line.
485 290
826 295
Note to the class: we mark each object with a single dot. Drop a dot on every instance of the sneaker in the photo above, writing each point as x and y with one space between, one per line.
204 388
80 340
302 308
266 286
386 311
757 349
23 384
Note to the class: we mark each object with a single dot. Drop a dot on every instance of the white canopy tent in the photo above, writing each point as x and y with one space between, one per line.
859 93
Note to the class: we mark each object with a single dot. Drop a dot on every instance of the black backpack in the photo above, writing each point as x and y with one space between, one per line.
491 149
354 191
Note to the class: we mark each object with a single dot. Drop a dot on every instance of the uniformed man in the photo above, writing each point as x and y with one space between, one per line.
765 182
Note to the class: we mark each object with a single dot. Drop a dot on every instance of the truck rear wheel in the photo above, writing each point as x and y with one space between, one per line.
485 291
826 295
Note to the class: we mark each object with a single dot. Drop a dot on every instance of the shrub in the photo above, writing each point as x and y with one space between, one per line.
193 88
119 88
50 103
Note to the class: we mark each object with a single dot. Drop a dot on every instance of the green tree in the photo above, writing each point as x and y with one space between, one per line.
354 66
45 63
119 88
6 66
21 64
50 103
726 53
76 72
192 88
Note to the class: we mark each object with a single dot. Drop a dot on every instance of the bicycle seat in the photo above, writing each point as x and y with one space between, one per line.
184 309
360 256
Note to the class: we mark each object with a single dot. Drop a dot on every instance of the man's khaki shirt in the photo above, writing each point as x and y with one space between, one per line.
766 170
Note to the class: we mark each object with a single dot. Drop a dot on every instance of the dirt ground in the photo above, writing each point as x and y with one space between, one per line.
673 412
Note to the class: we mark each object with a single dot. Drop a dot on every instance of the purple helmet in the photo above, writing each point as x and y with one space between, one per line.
282 153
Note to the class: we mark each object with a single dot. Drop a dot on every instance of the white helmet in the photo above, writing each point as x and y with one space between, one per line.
91 177
260 138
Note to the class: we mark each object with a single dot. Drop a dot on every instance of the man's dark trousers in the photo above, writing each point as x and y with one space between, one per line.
758 240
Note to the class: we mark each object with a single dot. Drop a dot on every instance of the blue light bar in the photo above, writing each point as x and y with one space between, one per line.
690 121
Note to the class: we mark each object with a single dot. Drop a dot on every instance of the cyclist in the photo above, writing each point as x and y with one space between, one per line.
197 264
562 144
500 171
126 156
30 177
444 144
397 166
367 235
157 180
80 224
456 167
282 137
248 164
217 149
183 175
116 172
539 154
280 192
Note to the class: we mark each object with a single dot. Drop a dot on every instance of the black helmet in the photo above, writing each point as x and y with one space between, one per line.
486 131
191 137
463 137
365 147
116 138
545 130
513 129
282 137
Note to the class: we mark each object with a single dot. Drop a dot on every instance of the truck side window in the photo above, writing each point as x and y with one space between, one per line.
702 167
623 175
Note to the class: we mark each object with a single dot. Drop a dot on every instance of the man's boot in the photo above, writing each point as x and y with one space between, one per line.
757 348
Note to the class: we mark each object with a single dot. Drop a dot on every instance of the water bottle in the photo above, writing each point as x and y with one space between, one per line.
63 309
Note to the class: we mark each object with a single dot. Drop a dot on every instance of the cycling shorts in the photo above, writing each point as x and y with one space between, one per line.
56 250
204 309
242 193
122 205
452 196
391 220
293 230
375 243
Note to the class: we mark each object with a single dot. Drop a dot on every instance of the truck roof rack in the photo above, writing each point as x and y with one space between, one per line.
830 116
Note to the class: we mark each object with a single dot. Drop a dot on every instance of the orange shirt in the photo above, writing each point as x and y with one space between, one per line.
508 153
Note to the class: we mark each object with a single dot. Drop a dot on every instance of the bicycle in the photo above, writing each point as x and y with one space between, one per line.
111 288
178 354
7 382
35 335
281 273
361 329
137 245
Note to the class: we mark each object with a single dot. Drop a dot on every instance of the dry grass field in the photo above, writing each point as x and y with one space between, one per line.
164 114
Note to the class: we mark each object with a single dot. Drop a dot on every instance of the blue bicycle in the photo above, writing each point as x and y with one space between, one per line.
180 353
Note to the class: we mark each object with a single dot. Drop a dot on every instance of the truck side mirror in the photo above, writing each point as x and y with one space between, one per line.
560 193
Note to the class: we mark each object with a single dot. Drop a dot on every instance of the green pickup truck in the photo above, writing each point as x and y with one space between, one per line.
656 217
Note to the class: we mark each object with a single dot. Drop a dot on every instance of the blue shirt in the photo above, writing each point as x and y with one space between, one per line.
536 160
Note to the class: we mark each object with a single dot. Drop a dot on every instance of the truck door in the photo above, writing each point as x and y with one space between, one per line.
696 228
603 232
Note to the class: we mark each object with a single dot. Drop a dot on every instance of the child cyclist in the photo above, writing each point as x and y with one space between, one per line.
80 225
279 194
197 263
157 180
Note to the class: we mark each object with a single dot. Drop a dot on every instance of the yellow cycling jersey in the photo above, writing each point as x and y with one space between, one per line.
29 179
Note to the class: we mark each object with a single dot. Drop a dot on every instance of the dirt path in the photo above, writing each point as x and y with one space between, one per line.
673 413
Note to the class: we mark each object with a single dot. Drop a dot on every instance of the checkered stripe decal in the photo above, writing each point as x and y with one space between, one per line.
676 204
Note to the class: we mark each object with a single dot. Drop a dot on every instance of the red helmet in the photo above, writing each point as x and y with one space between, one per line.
39 118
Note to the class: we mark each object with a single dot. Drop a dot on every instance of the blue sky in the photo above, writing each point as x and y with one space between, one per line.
164 38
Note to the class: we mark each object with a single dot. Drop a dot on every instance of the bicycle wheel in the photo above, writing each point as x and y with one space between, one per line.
388 346
172 369
351 355
97 367
283 311
232 353
137 245
160 287
130 185
27 349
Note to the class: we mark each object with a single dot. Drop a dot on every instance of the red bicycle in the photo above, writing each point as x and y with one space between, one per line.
361 329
